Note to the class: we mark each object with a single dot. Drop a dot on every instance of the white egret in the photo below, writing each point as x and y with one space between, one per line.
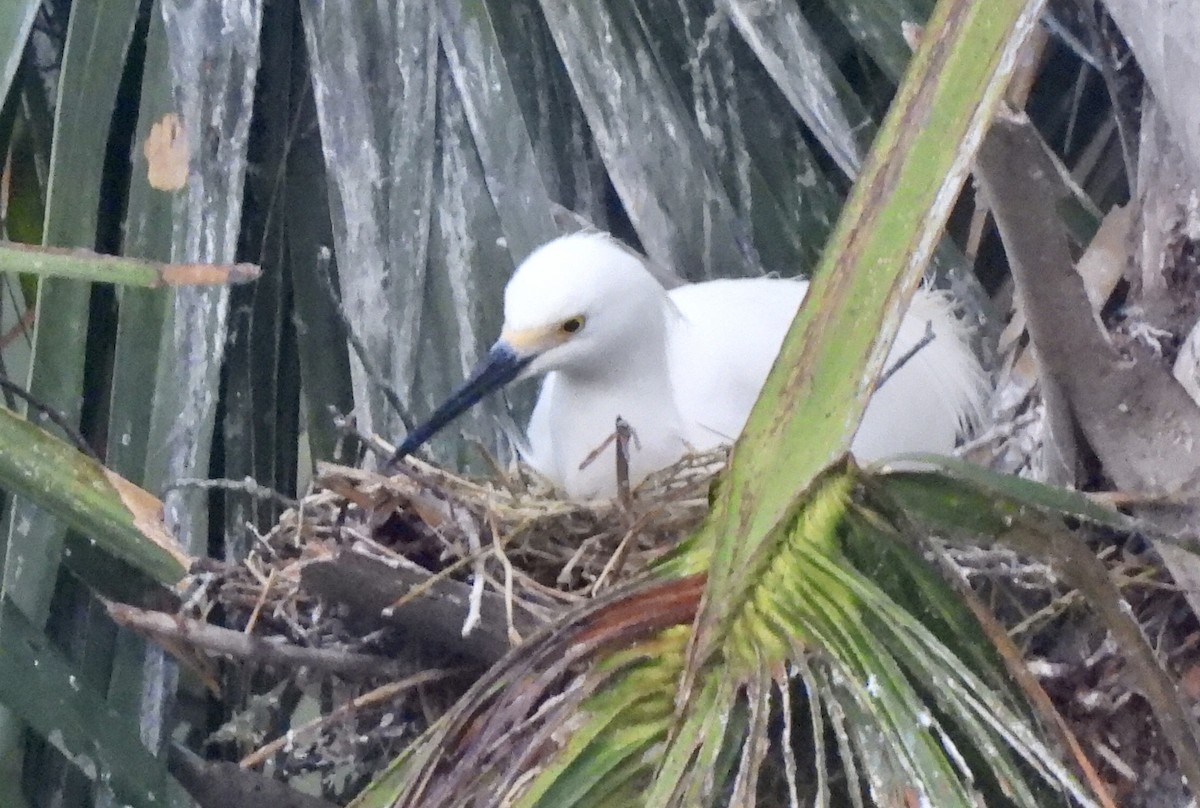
683 367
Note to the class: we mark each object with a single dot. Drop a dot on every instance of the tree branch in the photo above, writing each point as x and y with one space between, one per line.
1139 421
217 640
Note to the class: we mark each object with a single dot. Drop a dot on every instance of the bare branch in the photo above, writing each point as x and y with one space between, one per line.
217 640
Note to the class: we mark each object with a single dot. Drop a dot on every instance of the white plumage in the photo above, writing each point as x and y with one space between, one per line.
684 367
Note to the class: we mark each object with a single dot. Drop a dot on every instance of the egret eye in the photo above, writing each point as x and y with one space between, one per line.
572 325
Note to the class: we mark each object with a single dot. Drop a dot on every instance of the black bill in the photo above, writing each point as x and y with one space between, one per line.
498 368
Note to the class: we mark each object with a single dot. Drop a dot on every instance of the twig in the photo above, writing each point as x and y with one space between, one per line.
564 575
592 455
421 589
247 485
498 548
1112 759
262 599
925 339
998 432
217 640
346 426
48 413
360 350
612 436
624 434
379 694
617 560
22 326
478 580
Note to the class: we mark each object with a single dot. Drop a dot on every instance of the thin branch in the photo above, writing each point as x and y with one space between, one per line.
247 485
514 637
360 350
217 640
925 339
20 328
346 426
475 602
377 696
47 413
623 435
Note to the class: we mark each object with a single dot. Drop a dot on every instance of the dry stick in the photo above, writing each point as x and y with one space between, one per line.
564 574
514 636
617 560
560 597
478 580
625 434
925 339
346 426
262 600
429 583
1112 759
379 694
622 435
247 485
22 326
612 436
217 640
47 413
360 350
997 433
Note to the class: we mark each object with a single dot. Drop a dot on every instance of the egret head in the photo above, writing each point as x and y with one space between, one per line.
578 304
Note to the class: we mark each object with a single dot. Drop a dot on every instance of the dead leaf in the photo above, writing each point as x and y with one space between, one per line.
147 513
1103 263
166 151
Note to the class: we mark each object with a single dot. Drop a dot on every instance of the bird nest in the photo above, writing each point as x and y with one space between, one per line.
376 601
380 598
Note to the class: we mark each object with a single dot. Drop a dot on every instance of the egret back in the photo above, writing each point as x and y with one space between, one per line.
938 394
721 347
728 337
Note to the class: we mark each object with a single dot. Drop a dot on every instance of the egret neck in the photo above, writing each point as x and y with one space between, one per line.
627 377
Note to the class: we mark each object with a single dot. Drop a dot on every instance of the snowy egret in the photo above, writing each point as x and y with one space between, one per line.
684 367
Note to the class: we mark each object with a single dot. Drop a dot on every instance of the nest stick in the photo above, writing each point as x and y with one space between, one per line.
498 548
262 599
478 581
217 640
380 694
